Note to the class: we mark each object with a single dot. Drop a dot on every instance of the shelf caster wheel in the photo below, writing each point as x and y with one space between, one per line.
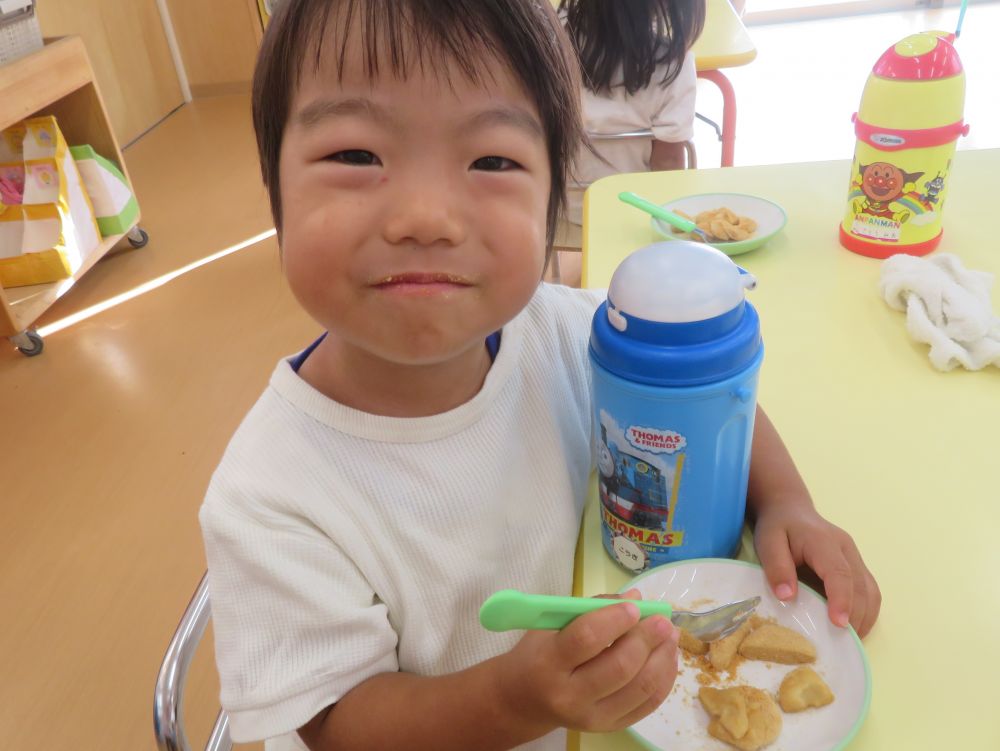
28 343
137 237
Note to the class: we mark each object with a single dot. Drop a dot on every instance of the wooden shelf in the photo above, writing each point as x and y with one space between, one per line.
26 304
32 83
56 80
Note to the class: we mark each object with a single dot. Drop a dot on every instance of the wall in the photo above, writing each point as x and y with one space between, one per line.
128 51
218 42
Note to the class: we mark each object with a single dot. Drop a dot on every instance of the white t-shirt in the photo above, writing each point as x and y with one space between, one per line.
666 110
342 544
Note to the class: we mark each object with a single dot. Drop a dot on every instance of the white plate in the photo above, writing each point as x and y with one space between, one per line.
681 723
770 218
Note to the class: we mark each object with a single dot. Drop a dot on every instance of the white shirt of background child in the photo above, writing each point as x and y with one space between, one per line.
666 110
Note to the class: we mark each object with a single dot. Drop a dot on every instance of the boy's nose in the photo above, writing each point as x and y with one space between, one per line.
425 215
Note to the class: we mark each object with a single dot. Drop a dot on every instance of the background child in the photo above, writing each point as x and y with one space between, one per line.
638 74
434 446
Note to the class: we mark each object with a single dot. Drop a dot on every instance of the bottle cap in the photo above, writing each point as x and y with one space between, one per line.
926 56
676 282
676 314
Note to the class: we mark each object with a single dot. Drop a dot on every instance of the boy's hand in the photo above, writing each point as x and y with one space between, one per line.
605 671
788 537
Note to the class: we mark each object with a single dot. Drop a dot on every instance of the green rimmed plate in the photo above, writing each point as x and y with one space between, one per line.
681 723
770 218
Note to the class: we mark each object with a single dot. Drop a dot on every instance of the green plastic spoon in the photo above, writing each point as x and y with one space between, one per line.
684 225
511 609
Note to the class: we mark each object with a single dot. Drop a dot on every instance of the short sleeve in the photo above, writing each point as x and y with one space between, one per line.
673 118
296 624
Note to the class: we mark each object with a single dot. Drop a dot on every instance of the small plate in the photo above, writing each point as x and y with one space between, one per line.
770 218
681 723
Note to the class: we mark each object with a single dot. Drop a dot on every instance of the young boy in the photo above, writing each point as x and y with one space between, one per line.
435 445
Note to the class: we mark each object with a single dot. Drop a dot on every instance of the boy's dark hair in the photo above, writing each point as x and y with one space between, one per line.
630 38
525 35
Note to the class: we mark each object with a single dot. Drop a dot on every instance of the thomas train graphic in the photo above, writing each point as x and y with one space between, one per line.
630 488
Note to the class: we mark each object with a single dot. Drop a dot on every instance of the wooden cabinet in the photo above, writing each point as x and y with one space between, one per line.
56 80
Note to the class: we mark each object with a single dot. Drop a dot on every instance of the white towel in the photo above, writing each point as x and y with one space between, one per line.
947 306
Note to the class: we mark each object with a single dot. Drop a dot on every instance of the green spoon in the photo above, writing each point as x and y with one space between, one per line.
510 609
684 225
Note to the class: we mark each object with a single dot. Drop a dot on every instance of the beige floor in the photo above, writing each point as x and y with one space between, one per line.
109 437
111 434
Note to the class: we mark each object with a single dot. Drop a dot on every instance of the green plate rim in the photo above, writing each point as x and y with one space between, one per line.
736 247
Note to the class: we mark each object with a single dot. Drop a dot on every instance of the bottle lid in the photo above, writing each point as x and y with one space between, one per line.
676 282
676 314
926 56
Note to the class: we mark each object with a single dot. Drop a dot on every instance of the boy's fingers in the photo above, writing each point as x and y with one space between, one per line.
619 664
648 707
832 566
779 566
647 690
867 597
874 606
589 635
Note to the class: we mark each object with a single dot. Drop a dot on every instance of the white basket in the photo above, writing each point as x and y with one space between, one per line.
19 31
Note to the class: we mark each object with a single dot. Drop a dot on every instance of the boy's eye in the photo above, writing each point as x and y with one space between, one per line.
354 157
494 164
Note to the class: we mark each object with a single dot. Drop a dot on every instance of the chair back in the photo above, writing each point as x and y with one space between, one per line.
691 156
168 698
569 236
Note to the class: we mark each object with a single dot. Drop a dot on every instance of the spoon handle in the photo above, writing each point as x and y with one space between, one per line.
510 609
658 211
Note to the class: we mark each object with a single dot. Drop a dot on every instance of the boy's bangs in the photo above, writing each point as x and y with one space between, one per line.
395 36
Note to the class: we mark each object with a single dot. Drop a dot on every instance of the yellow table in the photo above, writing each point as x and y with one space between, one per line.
902 456
724 42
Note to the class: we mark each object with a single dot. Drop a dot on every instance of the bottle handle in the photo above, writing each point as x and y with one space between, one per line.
748 280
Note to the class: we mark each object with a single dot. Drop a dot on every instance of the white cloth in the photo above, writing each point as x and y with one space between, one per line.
947 306
666 110
342 544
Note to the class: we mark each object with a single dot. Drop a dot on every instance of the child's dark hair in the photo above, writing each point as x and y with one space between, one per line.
630 38
525 35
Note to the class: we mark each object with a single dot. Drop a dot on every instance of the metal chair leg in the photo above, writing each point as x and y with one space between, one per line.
553 266
219 739
691 155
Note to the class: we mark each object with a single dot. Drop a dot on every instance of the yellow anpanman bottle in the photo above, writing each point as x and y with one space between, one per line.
907 127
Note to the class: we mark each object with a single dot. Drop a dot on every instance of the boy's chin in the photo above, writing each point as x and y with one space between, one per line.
434 357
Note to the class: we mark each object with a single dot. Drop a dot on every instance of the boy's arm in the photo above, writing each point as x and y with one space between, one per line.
401 710
775 482
789 532
604 671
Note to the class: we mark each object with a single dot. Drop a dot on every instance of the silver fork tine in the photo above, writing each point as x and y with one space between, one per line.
715 624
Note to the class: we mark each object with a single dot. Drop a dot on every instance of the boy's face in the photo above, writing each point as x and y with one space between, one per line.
414 211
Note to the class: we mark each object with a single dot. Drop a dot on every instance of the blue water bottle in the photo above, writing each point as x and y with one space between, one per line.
675 352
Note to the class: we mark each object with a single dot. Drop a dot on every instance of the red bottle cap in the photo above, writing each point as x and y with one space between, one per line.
920 57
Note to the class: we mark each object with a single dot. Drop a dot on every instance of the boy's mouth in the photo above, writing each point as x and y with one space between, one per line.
415 280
